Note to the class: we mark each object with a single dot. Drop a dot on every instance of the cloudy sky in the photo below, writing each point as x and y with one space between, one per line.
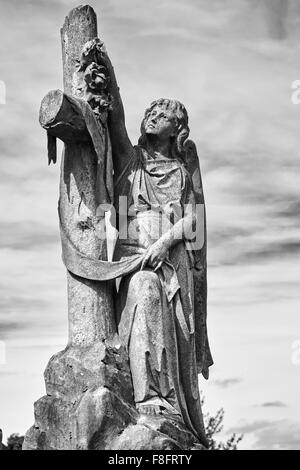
232 63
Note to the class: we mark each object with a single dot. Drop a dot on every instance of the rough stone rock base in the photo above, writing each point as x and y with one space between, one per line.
156 433
90 423
89 405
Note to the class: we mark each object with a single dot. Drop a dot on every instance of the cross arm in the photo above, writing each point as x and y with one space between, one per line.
62 118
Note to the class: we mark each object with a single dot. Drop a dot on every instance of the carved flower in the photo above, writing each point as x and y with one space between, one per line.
93 45
100 103
96 78
91 52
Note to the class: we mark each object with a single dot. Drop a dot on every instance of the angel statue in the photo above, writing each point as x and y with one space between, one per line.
160 307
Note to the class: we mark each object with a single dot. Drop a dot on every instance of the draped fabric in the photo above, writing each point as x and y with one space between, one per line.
101 142
203 354
159 329
155 311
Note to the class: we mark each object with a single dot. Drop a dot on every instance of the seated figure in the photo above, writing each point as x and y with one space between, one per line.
157 307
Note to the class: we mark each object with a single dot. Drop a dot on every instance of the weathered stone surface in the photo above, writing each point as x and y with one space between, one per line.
91 368
79 27
72 372
94 399
62 117
156 433
172 427
92 422
139 437
80 413
102 421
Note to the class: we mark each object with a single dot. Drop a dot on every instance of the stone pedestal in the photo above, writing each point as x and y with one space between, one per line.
89 405
89 399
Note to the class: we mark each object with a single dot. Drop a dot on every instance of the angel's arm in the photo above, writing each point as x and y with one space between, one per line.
188 227
182 230
122 148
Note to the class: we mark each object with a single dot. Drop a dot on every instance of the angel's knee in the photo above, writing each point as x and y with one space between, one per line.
145 283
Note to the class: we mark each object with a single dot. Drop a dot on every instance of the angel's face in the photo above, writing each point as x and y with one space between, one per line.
161 122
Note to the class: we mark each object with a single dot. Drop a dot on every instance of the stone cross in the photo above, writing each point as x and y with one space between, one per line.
89 302
89 395
78 378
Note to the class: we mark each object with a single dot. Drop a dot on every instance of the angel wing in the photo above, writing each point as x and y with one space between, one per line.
203 354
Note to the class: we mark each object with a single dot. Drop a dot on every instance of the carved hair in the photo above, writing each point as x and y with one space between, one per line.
181 118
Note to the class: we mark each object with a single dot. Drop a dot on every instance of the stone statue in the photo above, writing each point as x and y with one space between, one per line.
128 378
155 305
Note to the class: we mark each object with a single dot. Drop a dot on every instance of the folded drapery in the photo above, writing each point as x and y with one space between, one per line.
99 270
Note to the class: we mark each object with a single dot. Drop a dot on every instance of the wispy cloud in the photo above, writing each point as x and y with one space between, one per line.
279 436
225 383
7 327
272 435
31 235
273 404
250 427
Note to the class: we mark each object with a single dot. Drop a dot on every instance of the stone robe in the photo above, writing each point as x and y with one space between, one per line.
155 310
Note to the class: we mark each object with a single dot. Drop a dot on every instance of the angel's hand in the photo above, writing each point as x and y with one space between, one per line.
103 57
93 51
155 255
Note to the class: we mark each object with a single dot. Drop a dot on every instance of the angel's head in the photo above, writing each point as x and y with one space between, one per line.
168 121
